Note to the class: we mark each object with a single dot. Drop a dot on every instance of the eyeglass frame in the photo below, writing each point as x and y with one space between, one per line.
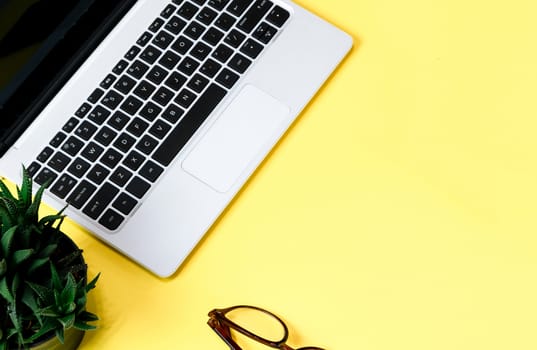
222 325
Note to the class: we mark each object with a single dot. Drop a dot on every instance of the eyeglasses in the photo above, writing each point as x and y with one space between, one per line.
256 323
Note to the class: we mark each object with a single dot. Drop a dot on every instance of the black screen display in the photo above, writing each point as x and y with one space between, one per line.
41 42
29 30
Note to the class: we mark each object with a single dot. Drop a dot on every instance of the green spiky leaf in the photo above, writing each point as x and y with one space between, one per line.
22 255
5 292
7 240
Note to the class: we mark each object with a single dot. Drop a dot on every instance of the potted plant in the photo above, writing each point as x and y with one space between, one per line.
43 276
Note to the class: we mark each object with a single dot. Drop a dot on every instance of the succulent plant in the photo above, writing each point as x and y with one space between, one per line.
43 284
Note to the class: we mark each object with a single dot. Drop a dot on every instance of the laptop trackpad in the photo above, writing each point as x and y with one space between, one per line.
246 127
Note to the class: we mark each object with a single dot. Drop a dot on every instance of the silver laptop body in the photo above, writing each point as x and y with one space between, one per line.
201 179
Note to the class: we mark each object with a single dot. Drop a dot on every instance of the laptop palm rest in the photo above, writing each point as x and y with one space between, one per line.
244 129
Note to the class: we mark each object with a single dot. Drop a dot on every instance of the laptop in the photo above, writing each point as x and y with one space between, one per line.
147 117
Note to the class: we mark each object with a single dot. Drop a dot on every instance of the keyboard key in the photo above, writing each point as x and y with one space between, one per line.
79 167
111 219
239 63
108 81
132 53
58 161
100 200
210 68
147 144
175 81
188 66
251 48
58 139
163 39
156 75
213 36
111 158
218 4
235 38
70 125
118 120
187 10
188 125
98 115
163 96
173 113
175 25
144 39
131 105
63 186
150 54
169 60
138 187
144 90
85 130
206 15
151 171
124 142
200 51
137 127
182 45
81 194
95 95
185 98
155 26
278 16
98 174
125 203
194 30
134 160
46 176
125 84
168 11
222 53
45 154
121 176
112 99
159 129
225 22
105 136
264 32
150 111
92 151
72 146
227 78
120 67
33 168
83 110
198 83
254 15
137 69
237 7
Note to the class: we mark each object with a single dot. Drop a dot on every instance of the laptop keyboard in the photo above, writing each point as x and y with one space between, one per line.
119 142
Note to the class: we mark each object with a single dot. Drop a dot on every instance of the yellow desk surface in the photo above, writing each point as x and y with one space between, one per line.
399 212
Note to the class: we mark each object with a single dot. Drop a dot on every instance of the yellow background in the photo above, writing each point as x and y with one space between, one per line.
397 213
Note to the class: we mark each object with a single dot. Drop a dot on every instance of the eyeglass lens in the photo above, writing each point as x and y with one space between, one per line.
250 324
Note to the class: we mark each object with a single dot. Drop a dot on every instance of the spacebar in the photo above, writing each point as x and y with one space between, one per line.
189 124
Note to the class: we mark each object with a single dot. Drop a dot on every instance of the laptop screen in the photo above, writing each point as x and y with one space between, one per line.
29 30
39 40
